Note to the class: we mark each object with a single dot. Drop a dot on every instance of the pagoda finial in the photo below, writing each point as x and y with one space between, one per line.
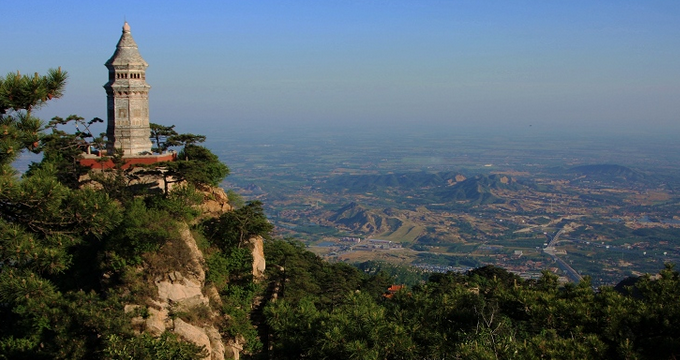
126 27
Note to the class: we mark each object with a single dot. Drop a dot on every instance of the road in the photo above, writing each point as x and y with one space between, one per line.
572 274
555 239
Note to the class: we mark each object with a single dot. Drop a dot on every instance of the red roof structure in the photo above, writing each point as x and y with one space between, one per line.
393 290
96 162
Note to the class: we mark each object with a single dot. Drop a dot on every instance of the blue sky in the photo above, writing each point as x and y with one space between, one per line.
592 65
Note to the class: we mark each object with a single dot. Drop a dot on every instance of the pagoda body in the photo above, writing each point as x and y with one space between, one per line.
127 99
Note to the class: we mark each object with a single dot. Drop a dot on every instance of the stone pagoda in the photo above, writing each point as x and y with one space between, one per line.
127 99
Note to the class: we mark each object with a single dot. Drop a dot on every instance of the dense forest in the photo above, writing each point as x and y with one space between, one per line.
78 247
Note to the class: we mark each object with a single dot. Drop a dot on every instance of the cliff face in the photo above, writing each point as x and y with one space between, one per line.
181 301
184 292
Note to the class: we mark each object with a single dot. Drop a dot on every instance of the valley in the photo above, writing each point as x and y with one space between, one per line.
493 203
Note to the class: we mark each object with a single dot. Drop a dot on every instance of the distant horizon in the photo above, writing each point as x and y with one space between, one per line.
363 129
221 139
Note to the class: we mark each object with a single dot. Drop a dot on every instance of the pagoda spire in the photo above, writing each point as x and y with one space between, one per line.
126 50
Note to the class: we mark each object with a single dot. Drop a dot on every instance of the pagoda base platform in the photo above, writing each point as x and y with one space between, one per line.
97 162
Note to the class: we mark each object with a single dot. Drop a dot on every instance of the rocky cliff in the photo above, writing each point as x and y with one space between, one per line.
180 300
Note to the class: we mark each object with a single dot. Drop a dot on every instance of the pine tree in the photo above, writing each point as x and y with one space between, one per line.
20 95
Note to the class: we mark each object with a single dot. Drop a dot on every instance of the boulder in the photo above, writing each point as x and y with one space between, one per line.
193 334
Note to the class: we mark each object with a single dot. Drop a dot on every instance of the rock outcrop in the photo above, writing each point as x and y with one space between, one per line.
256 245
215 202
183 303
181 292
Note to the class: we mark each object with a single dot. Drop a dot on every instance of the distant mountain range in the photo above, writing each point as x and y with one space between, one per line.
443 187
610 173
479 189
447 189
409 180
416 198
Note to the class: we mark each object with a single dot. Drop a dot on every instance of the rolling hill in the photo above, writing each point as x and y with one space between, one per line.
478 190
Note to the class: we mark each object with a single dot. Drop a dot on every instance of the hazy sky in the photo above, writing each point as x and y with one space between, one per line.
233 64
